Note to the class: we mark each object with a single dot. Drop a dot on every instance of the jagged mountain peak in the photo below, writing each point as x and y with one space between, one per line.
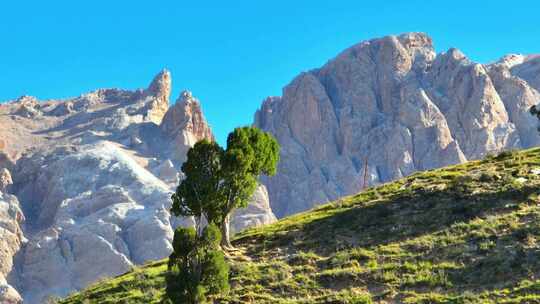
186 96
186 113
94 176
387 107
185 123
160 90
161 85
511 60
454 54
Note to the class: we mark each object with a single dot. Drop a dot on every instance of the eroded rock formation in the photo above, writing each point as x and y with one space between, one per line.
11 239
93 176
393 104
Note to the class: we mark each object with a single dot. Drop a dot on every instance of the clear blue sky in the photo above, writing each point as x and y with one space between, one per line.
231 54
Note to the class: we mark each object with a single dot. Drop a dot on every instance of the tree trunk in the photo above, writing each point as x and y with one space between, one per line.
198 226
225 234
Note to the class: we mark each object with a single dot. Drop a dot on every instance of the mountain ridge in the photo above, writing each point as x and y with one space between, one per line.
384 108
396 105
88 184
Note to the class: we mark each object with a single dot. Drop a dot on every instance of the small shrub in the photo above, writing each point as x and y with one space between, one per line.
461 184
506 154
487 177
489 157
197 267
305 258
486 246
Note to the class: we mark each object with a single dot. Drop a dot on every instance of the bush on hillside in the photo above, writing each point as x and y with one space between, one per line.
197 267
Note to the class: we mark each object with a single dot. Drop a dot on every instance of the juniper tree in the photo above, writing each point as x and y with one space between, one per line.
198 195
218 181
250 153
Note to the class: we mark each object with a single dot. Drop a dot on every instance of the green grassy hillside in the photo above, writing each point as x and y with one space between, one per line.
463 234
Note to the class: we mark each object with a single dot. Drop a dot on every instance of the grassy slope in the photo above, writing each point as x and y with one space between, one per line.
463 234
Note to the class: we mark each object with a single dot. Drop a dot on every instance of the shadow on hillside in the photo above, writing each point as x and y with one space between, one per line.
394 220
509 262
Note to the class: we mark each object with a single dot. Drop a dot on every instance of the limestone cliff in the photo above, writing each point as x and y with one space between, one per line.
93 176
388 107
11 239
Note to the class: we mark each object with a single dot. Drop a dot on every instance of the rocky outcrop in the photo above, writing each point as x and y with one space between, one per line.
159 92
93 176
184 125
98 213
11 239
388 107
5 179
28 107
518 96
8 294
529 70
256 214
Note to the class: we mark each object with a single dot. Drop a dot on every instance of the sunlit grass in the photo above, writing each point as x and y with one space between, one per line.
464 234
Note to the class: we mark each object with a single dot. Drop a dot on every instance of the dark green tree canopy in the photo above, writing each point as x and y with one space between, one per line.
250 153
198 194
197 268
185 239
217 181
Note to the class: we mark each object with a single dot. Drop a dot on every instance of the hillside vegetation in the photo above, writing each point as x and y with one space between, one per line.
463 234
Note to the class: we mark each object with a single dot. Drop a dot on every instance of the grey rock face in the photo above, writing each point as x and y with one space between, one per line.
96 221
184 125
528 70
159 92
5 179
255 214
93 176
11 239
388 107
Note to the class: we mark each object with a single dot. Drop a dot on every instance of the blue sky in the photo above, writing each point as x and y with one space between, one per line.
231 54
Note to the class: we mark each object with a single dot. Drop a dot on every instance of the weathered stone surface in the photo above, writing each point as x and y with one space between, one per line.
394 105
5 179
94 176
184 124
28 107
518 96
11 239
8 295
159 91
256 214
62 109
168 173
528 70
95 221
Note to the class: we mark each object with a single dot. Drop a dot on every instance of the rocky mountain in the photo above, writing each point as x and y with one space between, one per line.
86 182
388 107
